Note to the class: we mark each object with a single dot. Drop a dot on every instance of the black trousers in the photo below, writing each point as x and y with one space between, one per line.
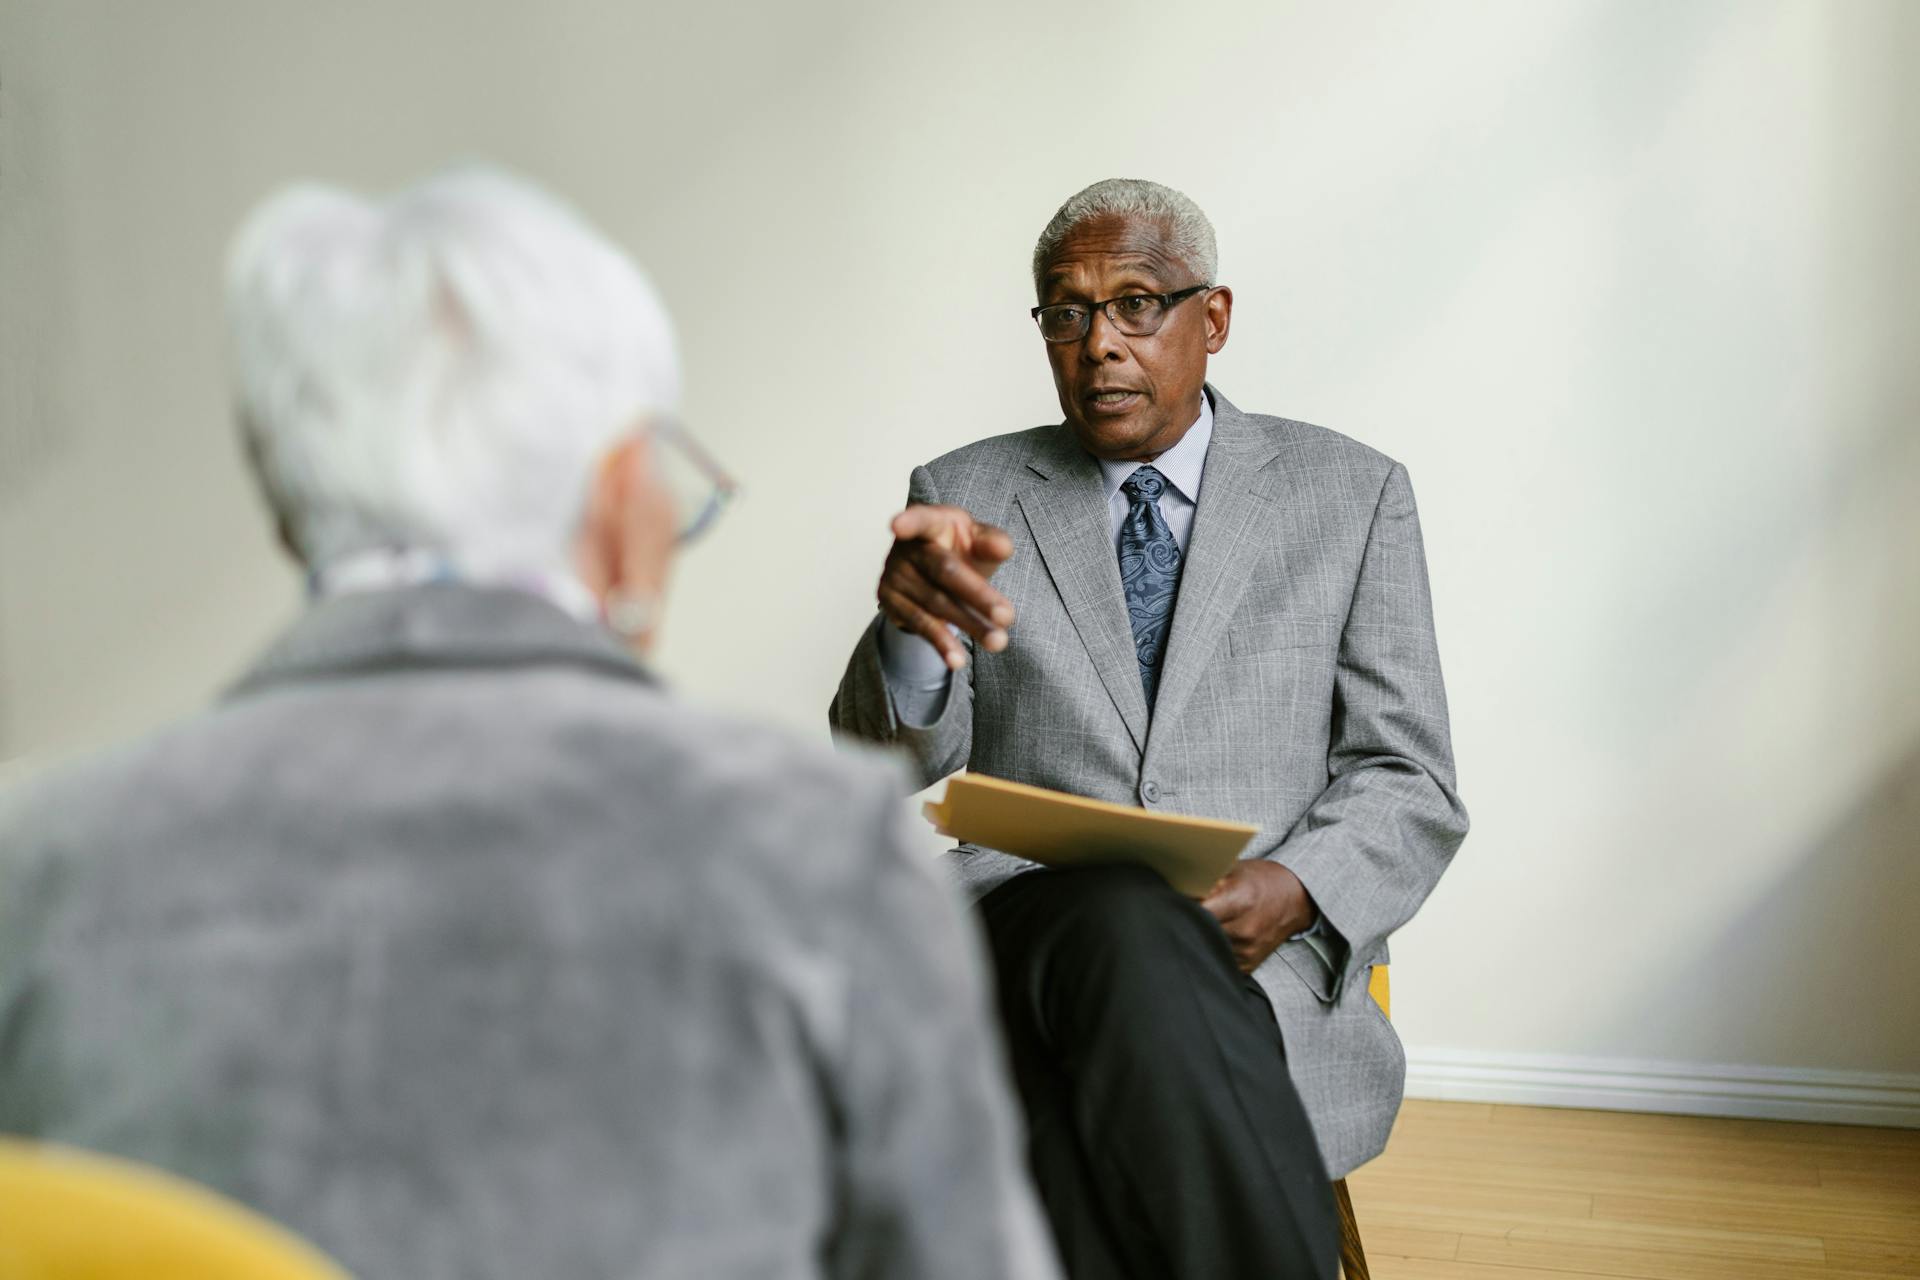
1165 1135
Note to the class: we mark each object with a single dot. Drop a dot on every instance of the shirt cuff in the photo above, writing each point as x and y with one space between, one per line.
911 660
1319 939
917 676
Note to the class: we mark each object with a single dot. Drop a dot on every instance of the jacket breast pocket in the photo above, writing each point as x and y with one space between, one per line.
1274 635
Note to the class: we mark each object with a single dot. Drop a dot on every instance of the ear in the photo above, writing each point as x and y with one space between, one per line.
1219 318
620 468
600 548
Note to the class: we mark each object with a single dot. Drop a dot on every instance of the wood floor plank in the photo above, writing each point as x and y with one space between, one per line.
1437 1269
1697 1136
1897 1180
1694 1146
1380 1183
1711 1126
1746 1213
1573 1173
1706 1241
1901 1259
1683 1237
1417 1109
1391 1241
1841 1134
1478 1192
1635 1263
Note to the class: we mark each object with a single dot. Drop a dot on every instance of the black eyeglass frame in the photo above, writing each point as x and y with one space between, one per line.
1167 303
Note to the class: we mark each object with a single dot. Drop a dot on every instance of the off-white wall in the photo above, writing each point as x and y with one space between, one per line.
1628 286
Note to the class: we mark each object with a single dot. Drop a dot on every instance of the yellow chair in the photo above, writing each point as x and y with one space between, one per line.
1353 1258
67 1214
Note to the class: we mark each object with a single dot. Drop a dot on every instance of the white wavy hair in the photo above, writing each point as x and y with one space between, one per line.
1189 234
438 370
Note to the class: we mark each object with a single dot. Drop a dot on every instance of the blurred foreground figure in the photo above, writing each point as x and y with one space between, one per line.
448 938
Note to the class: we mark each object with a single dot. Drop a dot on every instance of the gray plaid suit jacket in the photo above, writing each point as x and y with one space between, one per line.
1301 691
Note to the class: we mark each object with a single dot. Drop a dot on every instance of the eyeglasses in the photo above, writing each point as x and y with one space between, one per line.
698 485
1137 314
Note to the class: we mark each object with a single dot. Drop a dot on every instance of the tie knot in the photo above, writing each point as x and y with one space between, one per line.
1144 485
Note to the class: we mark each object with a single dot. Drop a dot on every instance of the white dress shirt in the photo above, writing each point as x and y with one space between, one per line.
917 676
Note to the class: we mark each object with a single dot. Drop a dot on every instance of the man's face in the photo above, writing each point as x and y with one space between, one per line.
1130 398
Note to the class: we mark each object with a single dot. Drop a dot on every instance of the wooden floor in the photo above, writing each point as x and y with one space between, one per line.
1473 1192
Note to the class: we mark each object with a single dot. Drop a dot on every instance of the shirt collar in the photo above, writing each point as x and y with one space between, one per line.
1181 465
384 568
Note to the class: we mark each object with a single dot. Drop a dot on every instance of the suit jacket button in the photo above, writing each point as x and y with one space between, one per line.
1150 791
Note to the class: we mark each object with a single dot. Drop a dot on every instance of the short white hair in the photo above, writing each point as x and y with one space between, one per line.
1189 234
438 370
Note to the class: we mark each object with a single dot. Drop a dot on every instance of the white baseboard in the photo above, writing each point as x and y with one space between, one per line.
1679 1088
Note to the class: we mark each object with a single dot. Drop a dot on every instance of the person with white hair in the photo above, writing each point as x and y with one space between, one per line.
1222 614
450 938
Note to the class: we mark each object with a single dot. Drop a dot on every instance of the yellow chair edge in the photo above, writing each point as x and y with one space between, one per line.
54 1200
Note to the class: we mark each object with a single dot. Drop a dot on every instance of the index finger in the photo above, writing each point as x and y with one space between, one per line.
991 544
932 522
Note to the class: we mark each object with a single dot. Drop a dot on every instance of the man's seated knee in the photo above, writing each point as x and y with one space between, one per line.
1117 919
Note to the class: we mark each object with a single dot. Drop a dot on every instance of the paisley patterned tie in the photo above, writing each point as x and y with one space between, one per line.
1149 572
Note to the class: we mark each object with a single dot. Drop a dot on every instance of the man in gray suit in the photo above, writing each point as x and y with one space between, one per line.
1218 613
448 937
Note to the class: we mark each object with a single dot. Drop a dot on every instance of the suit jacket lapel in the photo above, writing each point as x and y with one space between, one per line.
1212 576
1066 511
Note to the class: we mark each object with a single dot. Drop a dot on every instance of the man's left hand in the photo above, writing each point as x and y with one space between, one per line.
1260 904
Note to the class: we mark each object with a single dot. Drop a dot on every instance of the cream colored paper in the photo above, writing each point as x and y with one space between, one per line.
1061 830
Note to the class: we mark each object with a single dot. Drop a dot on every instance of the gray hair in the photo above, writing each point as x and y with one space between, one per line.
1189 234
439 369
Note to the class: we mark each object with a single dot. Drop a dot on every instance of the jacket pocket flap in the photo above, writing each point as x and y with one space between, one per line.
1271 634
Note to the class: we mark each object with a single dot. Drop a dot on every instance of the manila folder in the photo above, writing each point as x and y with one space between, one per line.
1061 830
